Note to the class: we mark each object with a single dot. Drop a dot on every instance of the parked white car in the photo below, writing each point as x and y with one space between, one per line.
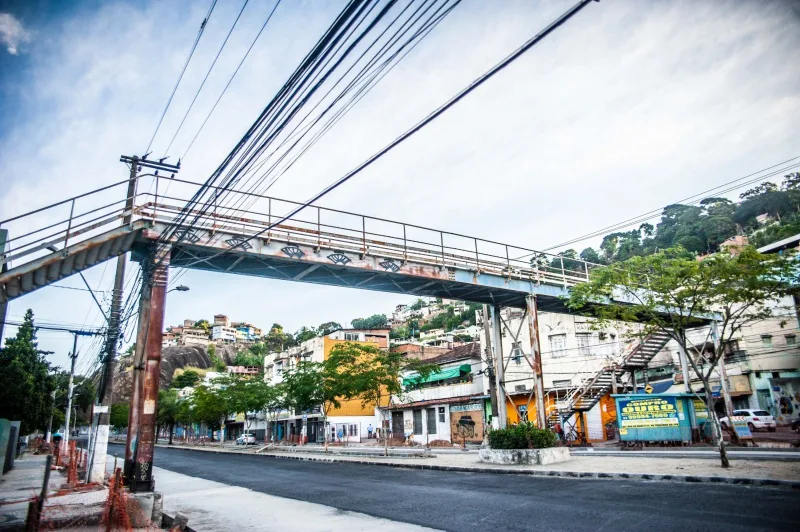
756 420
246 439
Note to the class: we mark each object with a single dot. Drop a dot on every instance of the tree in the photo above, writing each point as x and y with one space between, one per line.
119 415
203 324
186 379
306 388
277 340
766 186
210 407
26 384
246 395
791 181
372 375
247 358
327 328
304 334
672 292
168 410
376 321
216 363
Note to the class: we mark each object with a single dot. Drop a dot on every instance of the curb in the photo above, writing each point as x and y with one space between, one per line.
690 479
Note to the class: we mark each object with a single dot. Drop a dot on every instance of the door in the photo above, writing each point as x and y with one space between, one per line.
397 424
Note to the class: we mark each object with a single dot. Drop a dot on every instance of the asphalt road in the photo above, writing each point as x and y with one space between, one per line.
475 501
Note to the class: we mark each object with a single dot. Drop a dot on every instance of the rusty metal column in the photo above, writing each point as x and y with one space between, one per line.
136 385
536 353
499 370
143 457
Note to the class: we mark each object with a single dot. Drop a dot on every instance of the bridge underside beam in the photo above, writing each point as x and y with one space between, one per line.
310 269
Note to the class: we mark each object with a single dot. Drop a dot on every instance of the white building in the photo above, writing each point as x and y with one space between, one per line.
221 333
352 419
447 405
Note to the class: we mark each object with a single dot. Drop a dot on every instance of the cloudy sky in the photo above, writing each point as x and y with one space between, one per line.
628 107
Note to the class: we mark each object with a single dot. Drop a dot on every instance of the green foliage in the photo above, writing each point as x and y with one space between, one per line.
186 379
522 436
217 364
701 229
449 320
119 415
276 340
26 384
203 324
376 321
327 328
210 406
308 387
304 334
245 395
417 305
248 358
168 409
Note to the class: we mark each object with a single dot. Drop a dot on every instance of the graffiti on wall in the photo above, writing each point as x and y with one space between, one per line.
466 425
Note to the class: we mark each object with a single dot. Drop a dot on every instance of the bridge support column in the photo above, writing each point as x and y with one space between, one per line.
499 368
136 385
536 355
156 284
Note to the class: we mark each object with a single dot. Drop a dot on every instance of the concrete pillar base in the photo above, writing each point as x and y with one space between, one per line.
145 509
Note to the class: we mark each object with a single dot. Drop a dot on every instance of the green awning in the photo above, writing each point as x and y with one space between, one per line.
442 375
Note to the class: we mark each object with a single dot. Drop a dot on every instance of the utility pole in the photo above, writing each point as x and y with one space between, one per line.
493 398
3 269
97 465
73 356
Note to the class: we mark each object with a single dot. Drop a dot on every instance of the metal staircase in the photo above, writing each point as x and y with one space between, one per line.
594 387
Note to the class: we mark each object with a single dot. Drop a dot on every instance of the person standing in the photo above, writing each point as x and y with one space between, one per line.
369 431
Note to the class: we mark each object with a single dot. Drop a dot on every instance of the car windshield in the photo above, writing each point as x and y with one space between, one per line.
761 413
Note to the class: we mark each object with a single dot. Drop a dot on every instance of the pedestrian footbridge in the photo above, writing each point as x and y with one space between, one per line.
317 245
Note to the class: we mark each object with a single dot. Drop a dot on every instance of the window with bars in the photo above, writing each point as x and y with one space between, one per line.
584 343
353 429
558 345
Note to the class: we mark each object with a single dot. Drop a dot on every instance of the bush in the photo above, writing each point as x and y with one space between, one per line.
523 436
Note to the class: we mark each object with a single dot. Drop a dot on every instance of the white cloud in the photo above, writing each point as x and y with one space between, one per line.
628 107
12 33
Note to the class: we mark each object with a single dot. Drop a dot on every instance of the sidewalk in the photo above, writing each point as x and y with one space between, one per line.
743 471
24 482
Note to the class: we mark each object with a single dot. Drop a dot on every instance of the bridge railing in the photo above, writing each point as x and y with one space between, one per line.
249 214
61 224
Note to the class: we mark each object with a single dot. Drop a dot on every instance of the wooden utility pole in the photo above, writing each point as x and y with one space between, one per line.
97 465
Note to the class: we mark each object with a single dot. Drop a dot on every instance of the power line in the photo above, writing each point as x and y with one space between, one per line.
431 117
231 79
695 198
183 71
208 73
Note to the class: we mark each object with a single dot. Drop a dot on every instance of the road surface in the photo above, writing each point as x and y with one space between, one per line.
475 501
